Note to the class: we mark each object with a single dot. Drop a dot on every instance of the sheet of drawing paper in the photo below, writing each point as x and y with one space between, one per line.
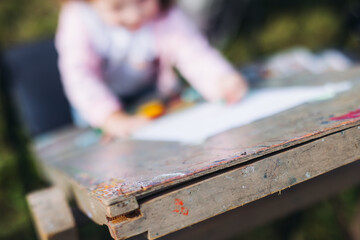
196 124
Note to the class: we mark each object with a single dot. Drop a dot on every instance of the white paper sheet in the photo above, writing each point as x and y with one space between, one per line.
196 124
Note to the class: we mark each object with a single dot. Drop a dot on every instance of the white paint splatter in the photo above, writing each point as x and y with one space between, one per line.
228 177
168 175
307 174
248 170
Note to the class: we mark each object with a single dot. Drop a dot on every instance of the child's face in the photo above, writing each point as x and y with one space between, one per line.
131 14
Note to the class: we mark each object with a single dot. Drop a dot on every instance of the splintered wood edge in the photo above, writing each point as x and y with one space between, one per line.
91 206
176 209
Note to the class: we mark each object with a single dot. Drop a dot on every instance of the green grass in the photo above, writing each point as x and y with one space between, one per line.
26 20
316 27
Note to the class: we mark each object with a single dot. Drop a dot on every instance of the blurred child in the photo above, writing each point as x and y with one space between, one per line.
113 50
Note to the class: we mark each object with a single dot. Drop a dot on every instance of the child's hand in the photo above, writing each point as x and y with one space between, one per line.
120 124
233 88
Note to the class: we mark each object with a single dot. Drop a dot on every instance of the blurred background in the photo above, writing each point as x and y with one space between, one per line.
249 33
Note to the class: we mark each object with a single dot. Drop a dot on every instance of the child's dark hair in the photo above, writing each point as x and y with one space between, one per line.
165 4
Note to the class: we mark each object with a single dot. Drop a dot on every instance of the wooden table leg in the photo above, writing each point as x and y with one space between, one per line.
52 215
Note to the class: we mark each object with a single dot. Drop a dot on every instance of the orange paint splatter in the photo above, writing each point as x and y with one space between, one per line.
184 211
178 202
180 207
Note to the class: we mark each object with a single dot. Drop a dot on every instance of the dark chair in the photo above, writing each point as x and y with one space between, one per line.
34 83
31 83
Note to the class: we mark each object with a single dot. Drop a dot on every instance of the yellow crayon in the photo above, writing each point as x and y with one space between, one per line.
152 109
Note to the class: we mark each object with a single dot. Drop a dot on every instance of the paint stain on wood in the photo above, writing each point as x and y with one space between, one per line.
180 208
350 115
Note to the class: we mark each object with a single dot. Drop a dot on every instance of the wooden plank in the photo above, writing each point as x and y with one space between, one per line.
51 214
270 208
207 198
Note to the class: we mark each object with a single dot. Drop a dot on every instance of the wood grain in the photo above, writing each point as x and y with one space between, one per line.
296 198
52 215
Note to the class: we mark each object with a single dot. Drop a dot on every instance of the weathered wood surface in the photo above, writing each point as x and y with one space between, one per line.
116 178
51 214
207 198
277 205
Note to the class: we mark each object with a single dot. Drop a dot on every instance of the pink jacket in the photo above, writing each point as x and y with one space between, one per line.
178 43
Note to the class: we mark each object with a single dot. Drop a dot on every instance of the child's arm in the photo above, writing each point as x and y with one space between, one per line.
181 44
121 124
80 67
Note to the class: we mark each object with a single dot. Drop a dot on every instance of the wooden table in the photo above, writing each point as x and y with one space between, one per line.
157 188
